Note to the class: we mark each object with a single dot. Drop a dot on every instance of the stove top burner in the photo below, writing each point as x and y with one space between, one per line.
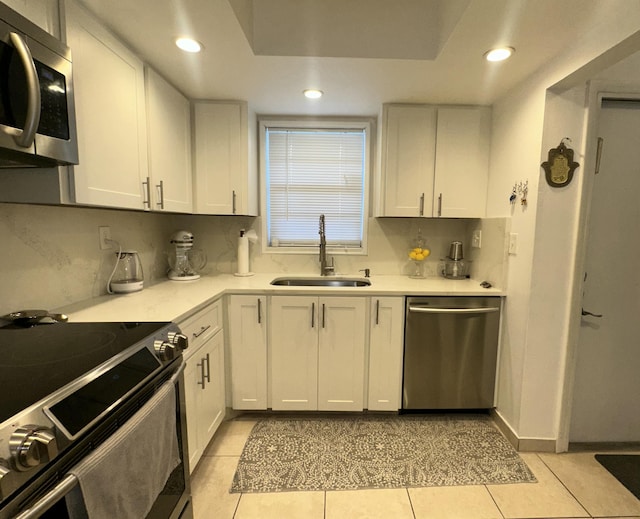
37 361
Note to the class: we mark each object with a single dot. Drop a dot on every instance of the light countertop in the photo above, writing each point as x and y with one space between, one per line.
176 300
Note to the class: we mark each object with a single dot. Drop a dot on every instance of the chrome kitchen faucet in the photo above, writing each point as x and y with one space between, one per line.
325 270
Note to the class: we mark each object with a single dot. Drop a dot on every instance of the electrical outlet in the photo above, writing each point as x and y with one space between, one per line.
513 243
105 237
476 239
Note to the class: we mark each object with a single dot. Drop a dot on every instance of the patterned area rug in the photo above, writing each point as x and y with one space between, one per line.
347 453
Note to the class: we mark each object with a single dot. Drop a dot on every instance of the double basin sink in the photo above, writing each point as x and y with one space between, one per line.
321 282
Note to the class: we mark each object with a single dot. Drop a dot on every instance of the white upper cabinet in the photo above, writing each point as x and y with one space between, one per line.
408 158
462 161
435 160
111 115
224 183
44 13
170 185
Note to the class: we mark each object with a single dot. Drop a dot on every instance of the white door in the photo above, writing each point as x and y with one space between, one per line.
409 159
294 353
386 348
341 353
248 339
606 405
169 132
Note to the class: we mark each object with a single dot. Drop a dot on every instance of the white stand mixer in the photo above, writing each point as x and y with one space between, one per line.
181 261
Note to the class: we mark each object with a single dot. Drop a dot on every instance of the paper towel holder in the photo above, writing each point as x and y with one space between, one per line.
243 252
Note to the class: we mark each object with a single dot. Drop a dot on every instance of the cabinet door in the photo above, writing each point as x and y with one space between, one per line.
248 347
341 353
169 130
462 161
204 395
221 158
212 404
294 353
110 115
44 13
194 379
408 160
385 353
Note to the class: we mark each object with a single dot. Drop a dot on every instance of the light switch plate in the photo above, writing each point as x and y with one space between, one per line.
513 243
105 237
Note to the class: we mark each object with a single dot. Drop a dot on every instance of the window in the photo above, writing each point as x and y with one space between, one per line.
311 168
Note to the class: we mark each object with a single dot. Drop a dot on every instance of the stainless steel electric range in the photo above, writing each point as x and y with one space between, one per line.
70 393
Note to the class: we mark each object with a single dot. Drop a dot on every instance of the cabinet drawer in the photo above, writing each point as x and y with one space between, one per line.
202 325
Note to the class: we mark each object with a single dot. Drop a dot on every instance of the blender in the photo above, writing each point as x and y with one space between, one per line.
184 260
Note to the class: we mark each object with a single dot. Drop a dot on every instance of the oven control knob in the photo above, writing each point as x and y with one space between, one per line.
179 340
164 350
31 446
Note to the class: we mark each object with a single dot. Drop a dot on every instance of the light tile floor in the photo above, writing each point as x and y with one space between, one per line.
571 485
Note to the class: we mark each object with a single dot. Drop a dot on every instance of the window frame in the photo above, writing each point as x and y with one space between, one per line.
349 123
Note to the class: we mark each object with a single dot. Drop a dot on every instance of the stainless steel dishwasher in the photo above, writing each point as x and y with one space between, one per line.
450 352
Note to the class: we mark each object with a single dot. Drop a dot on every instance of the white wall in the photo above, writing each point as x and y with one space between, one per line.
51 255
541 277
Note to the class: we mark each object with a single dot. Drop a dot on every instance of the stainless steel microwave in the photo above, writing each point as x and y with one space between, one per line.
37 111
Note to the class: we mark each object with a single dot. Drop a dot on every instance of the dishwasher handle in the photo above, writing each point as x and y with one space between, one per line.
432 310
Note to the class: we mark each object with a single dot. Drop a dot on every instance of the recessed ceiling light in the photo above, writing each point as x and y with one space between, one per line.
189 45
499 54
312 93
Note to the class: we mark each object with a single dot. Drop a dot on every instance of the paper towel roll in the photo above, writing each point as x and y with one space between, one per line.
243 256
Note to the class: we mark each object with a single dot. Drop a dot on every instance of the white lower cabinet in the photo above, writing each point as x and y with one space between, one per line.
386 335
248 337
317 353
204 379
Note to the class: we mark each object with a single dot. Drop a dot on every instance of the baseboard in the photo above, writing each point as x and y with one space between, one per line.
522 444
604 446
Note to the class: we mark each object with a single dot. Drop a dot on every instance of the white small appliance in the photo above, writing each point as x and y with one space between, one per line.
184 260
127 274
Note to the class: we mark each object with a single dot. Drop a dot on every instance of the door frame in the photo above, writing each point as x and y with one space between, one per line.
597 90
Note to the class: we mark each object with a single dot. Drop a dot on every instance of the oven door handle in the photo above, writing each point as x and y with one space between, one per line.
65 486
178 372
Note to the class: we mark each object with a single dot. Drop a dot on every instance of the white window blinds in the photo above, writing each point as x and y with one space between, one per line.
314 171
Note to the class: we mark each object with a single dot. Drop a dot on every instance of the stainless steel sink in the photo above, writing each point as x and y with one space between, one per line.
321 282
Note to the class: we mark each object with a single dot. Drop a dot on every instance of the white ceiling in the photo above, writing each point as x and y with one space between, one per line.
228 68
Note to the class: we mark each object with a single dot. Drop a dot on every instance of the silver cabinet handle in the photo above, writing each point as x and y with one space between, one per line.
202 330
377 311
422 204
323 320
233 202
208 359
202 382
313 315
259 311
584 312
147 194
429 310
160 188
24 138
440 205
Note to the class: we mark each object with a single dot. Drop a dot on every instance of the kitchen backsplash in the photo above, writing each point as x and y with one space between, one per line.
52 256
